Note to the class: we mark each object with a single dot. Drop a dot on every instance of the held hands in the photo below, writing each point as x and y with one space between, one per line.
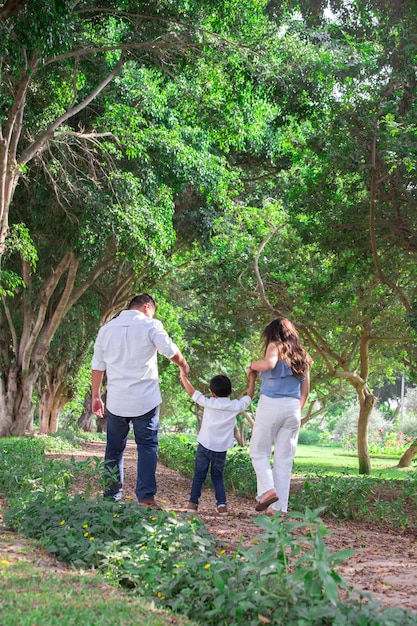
186 383
183 373
250 372
184 369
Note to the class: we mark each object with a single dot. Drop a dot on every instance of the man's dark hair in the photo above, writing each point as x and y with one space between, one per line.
140 300
221 386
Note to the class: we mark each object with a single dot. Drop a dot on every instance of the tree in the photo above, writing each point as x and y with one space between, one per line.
58 58
118 195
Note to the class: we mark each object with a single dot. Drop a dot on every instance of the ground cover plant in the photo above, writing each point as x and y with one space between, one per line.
287 576
325 477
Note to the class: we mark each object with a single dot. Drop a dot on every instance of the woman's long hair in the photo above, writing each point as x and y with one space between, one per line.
283 332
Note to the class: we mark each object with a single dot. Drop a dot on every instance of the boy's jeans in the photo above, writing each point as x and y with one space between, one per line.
216 460
145 428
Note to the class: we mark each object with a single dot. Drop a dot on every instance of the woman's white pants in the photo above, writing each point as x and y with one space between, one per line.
277 423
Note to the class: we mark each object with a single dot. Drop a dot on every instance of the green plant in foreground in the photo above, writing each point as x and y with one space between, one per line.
288 576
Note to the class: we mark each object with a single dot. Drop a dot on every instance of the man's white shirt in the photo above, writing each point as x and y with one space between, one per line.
126 348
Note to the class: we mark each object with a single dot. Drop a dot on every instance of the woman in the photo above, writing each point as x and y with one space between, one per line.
285 373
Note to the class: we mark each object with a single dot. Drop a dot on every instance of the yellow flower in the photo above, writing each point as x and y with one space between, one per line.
160 596
207 566
222 551
163 501
128 498
63 522
4 562
85 526
86 534
153 518
116 515
91 538
143 547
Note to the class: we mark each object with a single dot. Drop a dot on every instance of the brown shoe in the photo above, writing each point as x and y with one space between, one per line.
267 499
151 502
222 509
191 506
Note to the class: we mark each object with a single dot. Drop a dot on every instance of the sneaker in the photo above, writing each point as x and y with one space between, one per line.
191 506
222 509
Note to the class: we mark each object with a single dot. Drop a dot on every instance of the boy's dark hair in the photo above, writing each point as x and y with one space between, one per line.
140 300
221 386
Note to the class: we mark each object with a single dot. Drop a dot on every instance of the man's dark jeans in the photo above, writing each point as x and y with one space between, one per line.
145 428
215 460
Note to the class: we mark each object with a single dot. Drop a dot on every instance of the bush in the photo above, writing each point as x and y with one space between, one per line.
178 452
288 576
346 428
308 437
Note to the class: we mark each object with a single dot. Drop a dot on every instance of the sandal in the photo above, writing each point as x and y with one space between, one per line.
269 498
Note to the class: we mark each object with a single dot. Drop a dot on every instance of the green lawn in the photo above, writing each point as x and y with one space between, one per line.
32 593
333 461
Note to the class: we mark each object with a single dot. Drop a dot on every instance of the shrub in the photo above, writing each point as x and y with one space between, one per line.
308 437
288 576
178 452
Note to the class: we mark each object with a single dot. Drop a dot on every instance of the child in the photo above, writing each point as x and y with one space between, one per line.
216 435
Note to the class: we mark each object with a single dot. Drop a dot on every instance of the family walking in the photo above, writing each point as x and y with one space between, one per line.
125 351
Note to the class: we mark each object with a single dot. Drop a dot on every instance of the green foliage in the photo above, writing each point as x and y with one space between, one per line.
287 576
343 496
391 443
178 451
361 498
70 439
15 478
308 437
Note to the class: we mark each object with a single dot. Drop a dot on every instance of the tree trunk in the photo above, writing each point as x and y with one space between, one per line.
88 421
367 401
239 435
408 455
51 403
16 408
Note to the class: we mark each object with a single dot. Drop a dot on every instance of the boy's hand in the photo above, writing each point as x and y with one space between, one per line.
186 383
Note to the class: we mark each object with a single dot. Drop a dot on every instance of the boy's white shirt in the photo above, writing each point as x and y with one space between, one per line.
219 419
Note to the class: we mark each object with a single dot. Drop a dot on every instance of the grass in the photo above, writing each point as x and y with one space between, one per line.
32 592
334 461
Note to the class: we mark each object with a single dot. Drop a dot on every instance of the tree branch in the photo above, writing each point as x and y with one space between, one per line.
40 142
259 281
10 8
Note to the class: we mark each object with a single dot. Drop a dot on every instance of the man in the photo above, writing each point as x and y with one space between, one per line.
126 349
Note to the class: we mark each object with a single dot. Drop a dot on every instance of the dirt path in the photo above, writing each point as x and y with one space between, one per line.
384 563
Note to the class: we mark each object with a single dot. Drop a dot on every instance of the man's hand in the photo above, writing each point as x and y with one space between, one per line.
97 407
179 360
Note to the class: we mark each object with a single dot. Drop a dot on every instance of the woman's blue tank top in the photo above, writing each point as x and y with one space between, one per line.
280 382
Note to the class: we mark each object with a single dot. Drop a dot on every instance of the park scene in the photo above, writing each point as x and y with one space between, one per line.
251 165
